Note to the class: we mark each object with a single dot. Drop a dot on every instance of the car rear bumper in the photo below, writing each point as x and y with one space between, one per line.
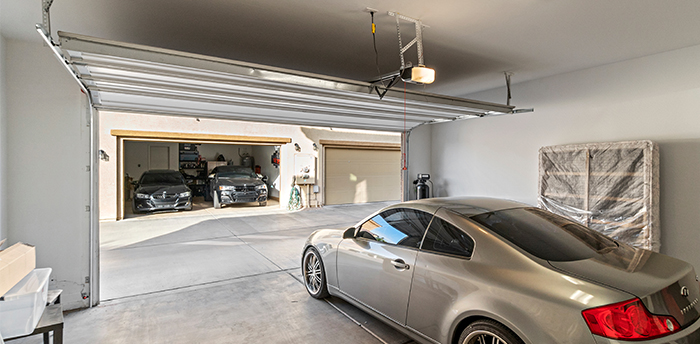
229 197
181 203
689 335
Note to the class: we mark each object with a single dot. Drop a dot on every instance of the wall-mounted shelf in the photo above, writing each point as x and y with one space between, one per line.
193 165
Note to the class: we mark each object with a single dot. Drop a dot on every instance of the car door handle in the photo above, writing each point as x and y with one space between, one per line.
399 264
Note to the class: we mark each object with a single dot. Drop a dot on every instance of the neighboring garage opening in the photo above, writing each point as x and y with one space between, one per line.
139 151
360 172
196 161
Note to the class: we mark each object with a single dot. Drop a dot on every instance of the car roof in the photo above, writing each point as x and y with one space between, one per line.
468 206
229 168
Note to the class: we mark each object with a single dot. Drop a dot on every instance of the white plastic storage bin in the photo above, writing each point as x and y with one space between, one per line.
22 306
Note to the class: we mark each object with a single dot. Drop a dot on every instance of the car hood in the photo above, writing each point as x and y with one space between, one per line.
154 189
655 278
239 181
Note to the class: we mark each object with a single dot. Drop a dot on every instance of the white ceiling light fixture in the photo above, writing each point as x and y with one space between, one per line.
418 75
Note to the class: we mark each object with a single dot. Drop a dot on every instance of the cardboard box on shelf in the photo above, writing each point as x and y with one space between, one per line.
16 262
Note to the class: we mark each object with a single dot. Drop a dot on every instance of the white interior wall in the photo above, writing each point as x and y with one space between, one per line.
3 144
653 97
47 155
230 152
136 156
263 155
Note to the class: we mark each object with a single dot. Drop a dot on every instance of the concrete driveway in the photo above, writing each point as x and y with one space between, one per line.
218 277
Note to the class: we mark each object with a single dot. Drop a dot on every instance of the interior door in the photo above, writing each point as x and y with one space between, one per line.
376 267
159 158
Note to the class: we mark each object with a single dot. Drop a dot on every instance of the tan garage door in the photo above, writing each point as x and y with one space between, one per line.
362 175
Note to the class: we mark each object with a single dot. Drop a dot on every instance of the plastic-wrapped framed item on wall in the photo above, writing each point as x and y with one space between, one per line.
612 188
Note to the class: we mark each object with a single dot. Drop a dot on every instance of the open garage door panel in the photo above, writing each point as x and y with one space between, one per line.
356 175
135 78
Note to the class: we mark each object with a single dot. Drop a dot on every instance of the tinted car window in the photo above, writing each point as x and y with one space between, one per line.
546 235
443 237
233 172
404 227
173 178
236 174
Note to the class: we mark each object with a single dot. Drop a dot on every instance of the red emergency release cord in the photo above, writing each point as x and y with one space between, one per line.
404 125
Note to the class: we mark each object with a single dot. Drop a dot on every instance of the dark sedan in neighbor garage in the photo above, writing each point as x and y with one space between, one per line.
235 184
161 190
477 270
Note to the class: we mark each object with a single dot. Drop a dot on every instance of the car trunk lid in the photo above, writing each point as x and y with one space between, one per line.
666 285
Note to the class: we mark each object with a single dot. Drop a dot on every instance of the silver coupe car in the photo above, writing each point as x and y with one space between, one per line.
477 270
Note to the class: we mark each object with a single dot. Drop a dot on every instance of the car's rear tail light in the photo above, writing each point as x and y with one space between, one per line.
628 320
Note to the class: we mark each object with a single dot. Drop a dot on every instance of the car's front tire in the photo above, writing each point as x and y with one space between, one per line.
314 274
488 331
215 198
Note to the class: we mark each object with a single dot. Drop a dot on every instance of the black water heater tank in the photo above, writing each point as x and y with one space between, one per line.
422 188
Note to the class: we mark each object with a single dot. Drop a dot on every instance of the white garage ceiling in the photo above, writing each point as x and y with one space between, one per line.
469 42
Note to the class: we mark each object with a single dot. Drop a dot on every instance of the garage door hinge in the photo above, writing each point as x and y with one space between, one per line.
87 168
87 208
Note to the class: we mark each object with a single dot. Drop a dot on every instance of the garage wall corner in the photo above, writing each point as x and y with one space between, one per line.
3 144
649 98
419 152
47 159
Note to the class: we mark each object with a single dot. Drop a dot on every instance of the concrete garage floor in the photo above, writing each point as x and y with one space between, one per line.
218 277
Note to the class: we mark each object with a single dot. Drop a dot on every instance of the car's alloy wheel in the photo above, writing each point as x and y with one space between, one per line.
217 205
488 332
314 275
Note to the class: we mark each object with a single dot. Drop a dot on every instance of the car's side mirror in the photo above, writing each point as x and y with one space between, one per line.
211 176
135 184
349 233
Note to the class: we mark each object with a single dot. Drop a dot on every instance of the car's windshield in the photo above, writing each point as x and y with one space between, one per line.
168 178
546 235
236 174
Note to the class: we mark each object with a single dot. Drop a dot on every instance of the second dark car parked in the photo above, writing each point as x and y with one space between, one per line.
235 184
161 190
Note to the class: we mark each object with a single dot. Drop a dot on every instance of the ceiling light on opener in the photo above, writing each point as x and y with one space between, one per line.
418 75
